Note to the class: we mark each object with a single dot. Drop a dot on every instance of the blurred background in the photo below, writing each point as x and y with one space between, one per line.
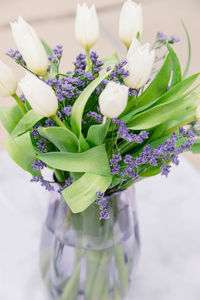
168 209
54 21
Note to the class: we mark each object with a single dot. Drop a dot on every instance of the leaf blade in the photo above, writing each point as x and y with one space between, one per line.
79 105
94 161
27 122
62 138
82 193
10 116
21 151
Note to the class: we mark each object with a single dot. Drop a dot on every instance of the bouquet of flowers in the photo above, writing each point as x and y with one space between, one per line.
101 127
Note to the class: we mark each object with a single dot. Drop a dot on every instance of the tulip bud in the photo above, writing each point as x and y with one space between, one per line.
140 62
113 100
30 46
86 26
8 82
131 22
40 95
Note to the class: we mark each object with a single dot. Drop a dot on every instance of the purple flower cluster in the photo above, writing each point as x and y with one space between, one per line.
102 202
68 182
114 163
161 155
119 73
41 144
49 123
16 55
97 117
41 141
163 38
66 111
68 88
56 57
133 92
128 136
22 98
43 182
38 165
80 64
35 132
58 51
96 64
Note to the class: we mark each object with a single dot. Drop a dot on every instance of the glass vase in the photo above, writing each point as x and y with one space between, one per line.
83 257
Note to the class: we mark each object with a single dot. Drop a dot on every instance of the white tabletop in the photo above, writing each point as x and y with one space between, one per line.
169 214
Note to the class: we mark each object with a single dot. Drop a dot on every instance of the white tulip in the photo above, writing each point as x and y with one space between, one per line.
86 26
8 82
113 100
40 95
131 22
140 63
30 46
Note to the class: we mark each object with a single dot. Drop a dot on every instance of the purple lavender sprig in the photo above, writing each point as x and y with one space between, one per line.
102 202
161 156
43 183
125 134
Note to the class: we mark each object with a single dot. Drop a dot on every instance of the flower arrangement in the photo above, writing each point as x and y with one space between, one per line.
109 121
103 126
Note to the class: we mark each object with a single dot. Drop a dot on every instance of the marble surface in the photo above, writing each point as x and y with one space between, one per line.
169 214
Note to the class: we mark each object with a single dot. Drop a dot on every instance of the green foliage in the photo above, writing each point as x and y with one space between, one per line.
82 193
196 147
176 67
10 116
79 105
97 133
161 113
21 151
64 139
189 50
156 89
27 122
94 161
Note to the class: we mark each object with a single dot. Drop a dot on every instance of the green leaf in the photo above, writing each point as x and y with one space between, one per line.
110 61
10 116
64 139
79 105
196 147
94 161
177 90
21 151
189 50
155 89
96 134
151 171
176 78
170 95
49 51
27 122
161 113
82 193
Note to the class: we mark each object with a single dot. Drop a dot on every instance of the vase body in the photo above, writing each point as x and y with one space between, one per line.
84 258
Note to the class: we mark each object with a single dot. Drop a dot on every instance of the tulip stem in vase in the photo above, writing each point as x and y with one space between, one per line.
21 106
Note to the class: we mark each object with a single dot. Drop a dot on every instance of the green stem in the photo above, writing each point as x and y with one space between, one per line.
122 267
58 121
21 106
59 175
88 59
